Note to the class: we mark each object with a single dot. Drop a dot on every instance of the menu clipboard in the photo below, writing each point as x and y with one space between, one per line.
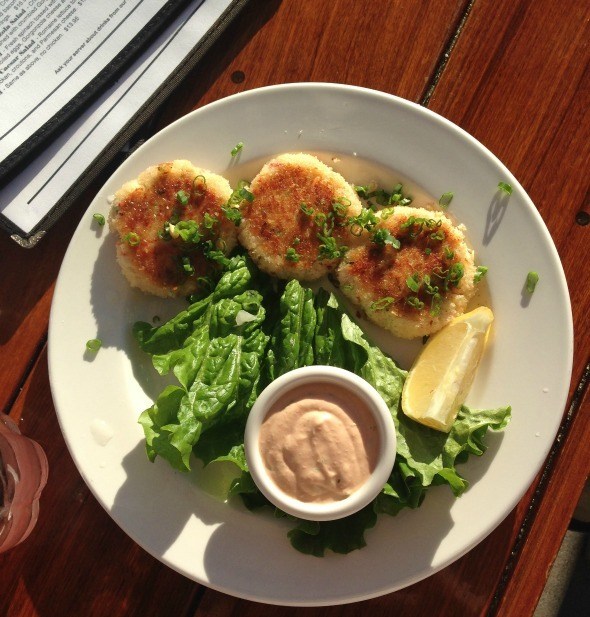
91 133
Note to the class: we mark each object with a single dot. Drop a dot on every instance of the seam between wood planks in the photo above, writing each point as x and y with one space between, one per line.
26 374
198 594
537 498
446 54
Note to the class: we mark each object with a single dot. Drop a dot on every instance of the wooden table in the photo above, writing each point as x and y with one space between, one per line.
514 73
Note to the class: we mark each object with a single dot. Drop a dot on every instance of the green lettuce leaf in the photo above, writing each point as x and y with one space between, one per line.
217 363
172 334
291 344
338 341
165 435
341 536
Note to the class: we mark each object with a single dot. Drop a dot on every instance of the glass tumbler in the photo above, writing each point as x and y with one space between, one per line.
23 474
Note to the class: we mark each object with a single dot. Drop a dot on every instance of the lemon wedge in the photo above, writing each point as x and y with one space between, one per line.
442 374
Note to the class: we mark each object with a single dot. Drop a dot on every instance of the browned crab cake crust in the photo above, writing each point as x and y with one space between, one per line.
273 223
140 209
376 277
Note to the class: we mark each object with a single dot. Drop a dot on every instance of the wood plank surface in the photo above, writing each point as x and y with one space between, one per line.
547 516
380 44
77 561
517 79
26 288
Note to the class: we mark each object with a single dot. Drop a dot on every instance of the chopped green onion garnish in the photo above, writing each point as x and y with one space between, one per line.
479 273
430 289
296 241
329 248
209 221
455 274
419 223
245 194
382 197
188 231
306 209
99 218
240 194
187 266
340 206
449 253
445 199
292 255
415 302
382 304
365 220
233 214
320 219
386 213
182 198
203 180
382 237
504 186
532 278
132 238
216 255
237 148
413 282
435 304
94 344
437 235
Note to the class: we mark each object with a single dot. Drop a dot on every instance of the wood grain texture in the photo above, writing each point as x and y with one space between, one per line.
26 288
523 579
387 45
77 561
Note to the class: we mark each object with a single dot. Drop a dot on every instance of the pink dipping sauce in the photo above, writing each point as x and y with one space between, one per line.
319 443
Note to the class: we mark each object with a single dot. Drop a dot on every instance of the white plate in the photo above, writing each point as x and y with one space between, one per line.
173 515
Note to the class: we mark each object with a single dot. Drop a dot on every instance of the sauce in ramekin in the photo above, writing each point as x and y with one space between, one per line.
319 442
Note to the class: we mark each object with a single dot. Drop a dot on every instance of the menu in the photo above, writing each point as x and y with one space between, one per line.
56 76
54 54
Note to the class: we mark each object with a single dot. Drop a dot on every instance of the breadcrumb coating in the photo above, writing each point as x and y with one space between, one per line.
416 289
150 257
295 225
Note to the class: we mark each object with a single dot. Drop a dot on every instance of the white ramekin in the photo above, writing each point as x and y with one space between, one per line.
362 496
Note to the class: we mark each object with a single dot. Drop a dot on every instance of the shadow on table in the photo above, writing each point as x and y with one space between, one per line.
28 274
254 15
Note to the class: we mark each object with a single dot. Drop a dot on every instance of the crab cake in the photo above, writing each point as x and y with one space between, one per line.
412 274
165 219
295 225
